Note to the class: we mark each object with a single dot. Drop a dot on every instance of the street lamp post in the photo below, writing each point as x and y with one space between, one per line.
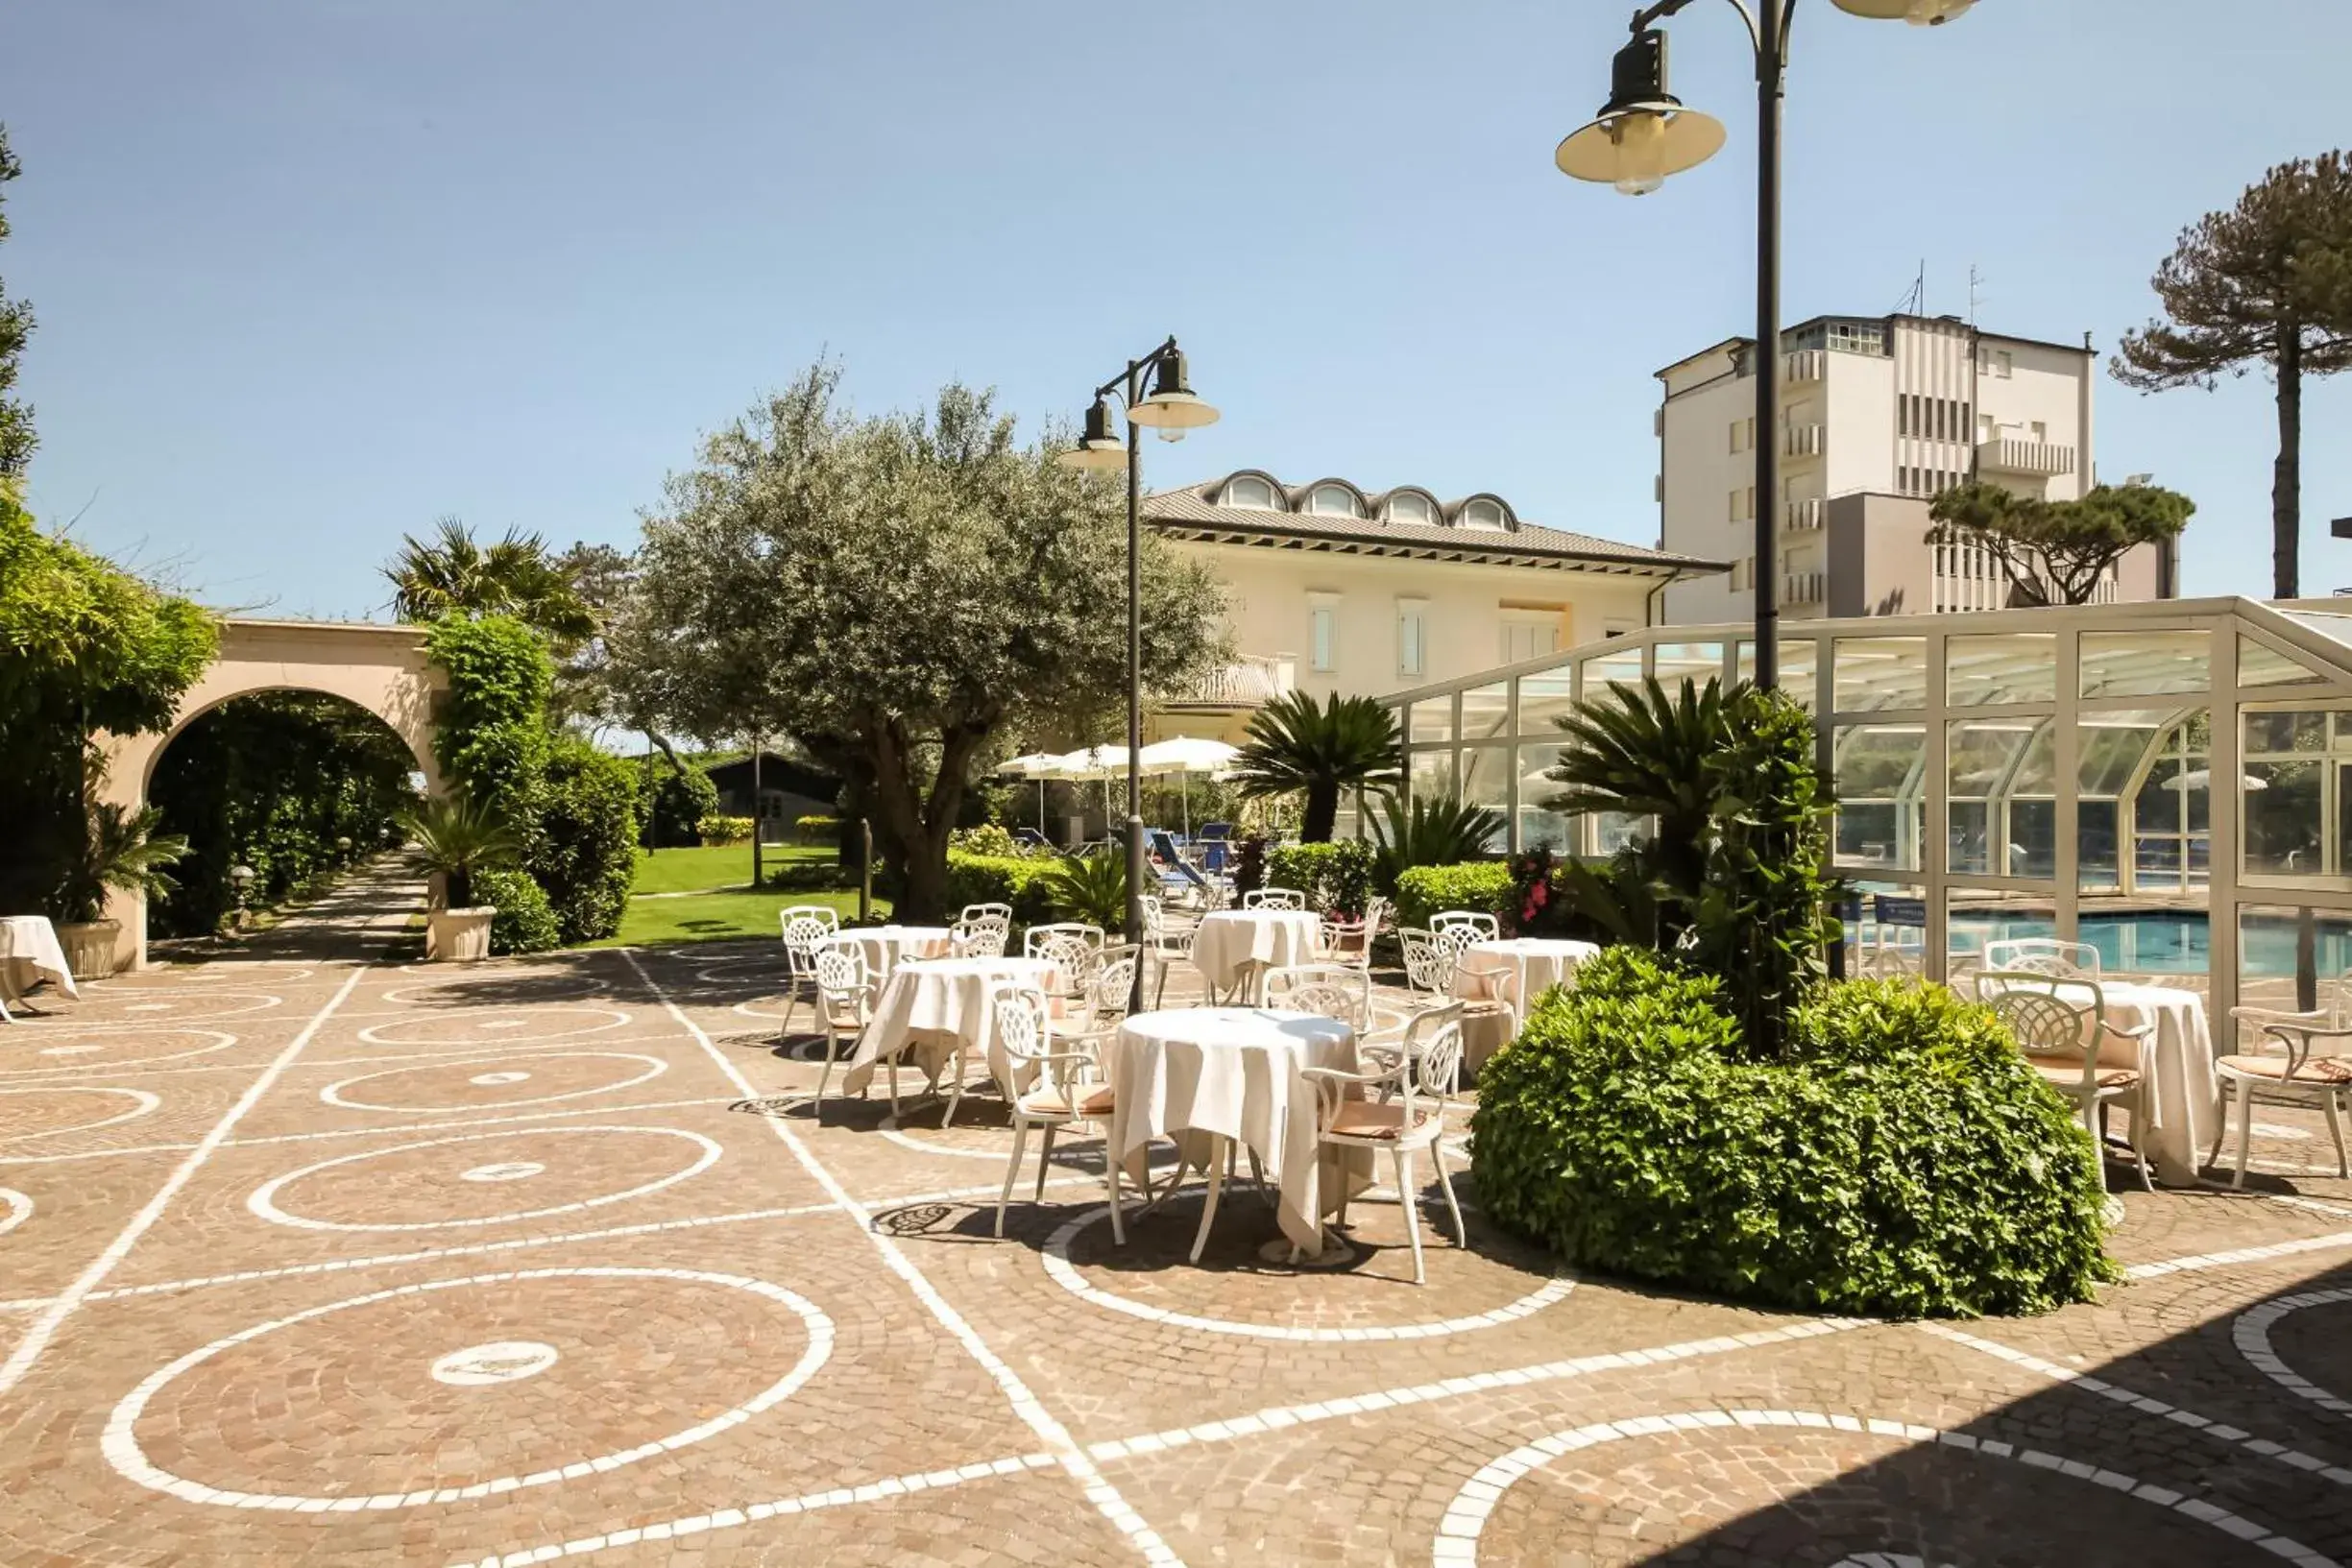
1643 134
1172 409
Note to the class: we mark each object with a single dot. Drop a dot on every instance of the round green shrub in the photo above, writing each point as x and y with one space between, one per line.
681 797
721 829
1902 1160
525 921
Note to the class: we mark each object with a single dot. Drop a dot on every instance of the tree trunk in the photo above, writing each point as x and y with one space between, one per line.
1323 810
2286 482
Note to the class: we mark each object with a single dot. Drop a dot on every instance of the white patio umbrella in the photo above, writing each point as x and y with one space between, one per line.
1185 755
1103 762
1037 766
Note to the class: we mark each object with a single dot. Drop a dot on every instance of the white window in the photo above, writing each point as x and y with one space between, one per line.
1334 500
1740 432
1409 507
1324 635
1409 644
1483 514
1251 492
1986 429
1529 639
2004 365
2040 431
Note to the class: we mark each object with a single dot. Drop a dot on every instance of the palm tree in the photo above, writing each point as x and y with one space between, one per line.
1640 753
121 851
459 838
1434 833
1294 745
455 574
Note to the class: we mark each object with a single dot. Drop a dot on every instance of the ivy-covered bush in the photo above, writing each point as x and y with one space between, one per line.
681 797
1336 878
1422 891
586 854
1900 1158
525 921
719 827
985 879
993 842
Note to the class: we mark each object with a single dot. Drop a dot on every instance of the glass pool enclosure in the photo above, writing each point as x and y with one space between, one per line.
2011 772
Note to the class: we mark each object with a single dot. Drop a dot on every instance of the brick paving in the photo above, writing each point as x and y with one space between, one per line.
319 1262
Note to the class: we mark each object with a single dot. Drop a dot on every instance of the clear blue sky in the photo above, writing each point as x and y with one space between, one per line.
312 273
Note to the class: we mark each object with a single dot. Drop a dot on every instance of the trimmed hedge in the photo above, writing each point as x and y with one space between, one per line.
681 800
989 879
586 854
525 921
1483 885
720 829
1903 1161
1336 878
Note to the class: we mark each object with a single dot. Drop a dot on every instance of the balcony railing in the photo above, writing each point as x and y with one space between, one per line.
2040 459
1805 365
1248 682
1808 516
1805 587
1802 441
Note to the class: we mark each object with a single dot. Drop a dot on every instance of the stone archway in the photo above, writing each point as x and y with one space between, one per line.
383 669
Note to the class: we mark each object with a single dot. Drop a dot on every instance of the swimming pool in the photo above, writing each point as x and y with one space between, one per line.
2171 941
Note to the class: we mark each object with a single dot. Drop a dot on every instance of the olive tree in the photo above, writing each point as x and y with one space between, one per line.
903 594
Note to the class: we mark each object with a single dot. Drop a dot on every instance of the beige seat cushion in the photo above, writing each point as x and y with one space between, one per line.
2315 1070
2066 1073
1097 1101
1376 1118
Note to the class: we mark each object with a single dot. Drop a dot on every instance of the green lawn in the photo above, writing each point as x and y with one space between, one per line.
718 865
718 917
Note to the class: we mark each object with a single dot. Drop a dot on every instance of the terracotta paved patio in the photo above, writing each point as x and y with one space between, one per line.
308 1262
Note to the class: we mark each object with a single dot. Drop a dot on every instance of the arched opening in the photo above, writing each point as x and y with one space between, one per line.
290 784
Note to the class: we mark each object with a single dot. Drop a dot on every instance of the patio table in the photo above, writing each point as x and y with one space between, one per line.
939 1008
2184 1099
886 947
1517 969
1231 1075
1234 948
28 953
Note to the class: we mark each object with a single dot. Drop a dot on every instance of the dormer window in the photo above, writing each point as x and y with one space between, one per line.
1410 508
1334 501
1250 490
1483 514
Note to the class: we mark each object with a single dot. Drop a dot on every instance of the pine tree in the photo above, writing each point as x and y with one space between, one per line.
16 438
2267 282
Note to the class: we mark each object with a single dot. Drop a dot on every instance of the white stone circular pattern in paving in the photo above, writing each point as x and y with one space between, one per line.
18 1207
264 1200
1466 1519
651 1066
87 1056
142 1103
504 1171
157 1009
213 971
502 1361
2252 1335
1064 1273
494 1027
121 1446
736 971
446 992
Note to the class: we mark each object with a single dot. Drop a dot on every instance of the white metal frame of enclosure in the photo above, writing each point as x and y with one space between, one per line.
2302 662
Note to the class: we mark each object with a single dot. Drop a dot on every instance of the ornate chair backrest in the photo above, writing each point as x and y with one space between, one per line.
1455 940
1020 1020
803 934
975 912
1340 991
1076 962
980 936
1033 941
1274 898
2049 1015
1428 967
843 984
824 914
2043 956
1114 984
1155 917
1433 1058
1486 925
1376 912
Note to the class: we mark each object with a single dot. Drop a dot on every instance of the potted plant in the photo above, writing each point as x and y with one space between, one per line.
119 851
455 840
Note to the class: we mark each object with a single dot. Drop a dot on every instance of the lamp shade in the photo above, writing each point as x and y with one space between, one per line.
1643 133
1171 404
1917 13
1099 450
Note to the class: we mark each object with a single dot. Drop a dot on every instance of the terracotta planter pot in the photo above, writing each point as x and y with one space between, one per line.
458 936
89 948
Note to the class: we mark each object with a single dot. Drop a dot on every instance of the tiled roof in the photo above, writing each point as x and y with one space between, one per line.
1187 512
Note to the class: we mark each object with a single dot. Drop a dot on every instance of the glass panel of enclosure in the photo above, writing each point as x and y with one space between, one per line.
2260 664
1886 927
1544 700
1486 712
1881 808
1485 780
1877 674
1797 667
1431 719
2143 663
1541 829
1696 661
2291 958
1430 775
1624 666
2002 797
1974 918
2019 666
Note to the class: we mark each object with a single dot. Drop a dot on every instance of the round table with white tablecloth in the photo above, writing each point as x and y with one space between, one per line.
1233 1072
1518 969
28 954
1233 948
886 947
2184 1100
934 1008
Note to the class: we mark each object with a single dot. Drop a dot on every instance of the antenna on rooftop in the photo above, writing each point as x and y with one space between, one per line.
1976 281
1915 302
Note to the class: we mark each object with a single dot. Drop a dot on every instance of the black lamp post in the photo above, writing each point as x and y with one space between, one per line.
1643 133
1172 409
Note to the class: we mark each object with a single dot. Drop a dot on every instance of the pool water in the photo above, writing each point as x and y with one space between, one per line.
2172 942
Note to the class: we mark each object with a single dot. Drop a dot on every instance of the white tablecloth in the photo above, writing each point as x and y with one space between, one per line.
29 952
933 1005
2186 1096
1518 969
1234 1071
1229 941
886 947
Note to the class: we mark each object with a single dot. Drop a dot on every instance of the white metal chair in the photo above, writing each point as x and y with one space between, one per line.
1488 927
984 911
844 1003
1069 1090
1033 941
980 936
2042 955
1405 1113
2061 1039
2311 1064
1274 898
1340 991
1350 941
1429 968
807 927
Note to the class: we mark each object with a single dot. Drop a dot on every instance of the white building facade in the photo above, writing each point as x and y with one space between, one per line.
1879 415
